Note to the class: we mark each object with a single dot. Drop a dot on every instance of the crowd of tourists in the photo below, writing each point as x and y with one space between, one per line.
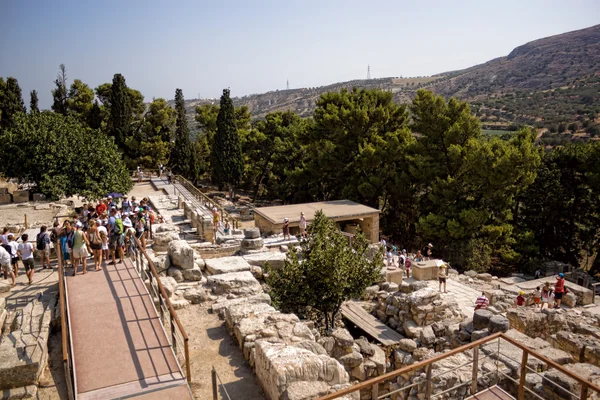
104 230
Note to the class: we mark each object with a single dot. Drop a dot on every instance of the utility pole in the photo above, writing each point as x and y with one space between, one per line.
287 85
368 72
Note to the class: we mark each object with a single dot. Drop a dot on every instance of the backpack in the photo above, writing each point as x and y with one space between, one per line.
41 241
118 228
70 239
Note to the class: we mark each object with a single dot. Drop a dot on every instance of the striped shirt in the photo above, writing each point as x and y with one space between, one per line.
481 302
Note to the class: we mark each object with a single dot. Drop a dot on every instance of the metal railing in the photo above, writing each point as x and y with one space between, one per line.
215 385
207 201
178 337
64 325
492 341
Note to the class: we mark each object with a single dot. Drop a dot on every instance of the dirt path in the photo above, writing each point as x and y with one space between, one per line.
211 345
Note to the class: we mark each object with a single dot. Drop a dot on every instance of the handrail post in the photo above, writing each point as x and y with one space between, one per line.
521 392
475 370
428 382
584 391
188 367
375 391
214 383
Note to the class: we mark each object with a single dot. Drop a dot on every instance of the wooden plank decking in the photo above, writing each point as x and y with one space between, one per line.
493 393
371 325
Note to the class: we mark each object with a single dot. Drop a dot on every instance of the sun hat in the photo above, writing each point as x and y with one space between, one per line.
127 223
521 293
429 245
79 224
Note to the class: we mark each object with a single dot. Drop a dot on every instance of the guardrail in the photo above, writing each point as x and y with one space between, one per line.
179 338
194 191
427 366
64 324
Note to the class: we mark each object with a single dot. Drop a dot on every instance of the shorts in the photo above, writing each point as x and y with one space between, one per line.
558 296
28 264
442 280
5 267
115 241
14 260
80 252
96 246
536 300
44 253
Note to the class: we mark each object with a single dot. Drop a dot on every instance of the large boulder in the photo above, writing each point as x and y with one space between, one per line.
566 384
279 366
162 240
161 262
182 255
498 323
342 337
175 273
225 265
407 345
481 319
197 295
275 259
194 274
236 313
220 306
251 233
166 228
237 283
169 284
427 335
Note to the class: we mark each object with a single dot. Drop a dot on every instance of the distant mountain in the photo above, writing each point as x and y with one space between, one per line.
567 61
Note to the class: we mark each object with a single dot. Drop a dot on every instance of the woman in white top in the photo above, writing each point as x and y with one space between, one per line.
303 225
25 251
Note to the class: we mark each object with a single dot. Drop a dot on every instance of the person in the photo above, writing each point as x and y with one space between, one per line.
4 236
130 233
538 273
134 204
5 265
442 274
520 299
419 256
43 247
101 207
126 205
141 176
139 230
227 228
402 258
115 227
482 302
303 225
66 237
139 169
80 248
97 238
428 251
111 203
390 259
14 253
559 289
407 265
383 243
55 234
216 218
286 229
546 295
169 176
537 295
160 170
25 251
101 225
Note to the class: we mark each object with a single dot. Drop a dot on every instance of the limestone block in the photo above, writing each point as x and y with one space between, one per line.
479 334
182 255
197 295
175 273
481 319
422 353
200 263
569 299
498 323
169 284
586 371
278 366
221 305
161 263
3 190
315 347
252 244
407 345
423 297
194 274
411 329
162 240
351 360
251 233
305 390
225 265
166 228
39 197
342 337
402 358
21 196
237 312
273 258
365 346
427 335
378 358
485 277
238 283
5 198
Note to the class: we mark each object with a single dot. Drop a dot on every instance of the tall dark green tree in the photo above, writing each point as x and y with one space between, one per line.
95 116
11 102
60 93
181 154
119 124
33 102
227 162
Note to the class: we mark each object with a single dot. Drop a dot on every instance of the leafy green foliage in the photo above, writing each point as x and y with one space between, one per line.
79 101
152 143
62 157
119 124
331 272
59 94
182 152
11 101
226 162
33 102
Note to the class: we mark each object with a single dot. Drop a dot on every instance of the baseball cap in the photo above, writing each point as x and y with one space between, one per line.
521 293
561 275
79 224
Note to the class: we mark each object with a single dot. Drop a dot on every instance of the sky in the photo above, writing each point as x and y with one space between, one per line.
256 46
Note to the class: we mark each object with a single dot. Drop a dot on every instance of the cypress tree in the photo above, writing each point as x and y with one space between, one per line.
60 94
95 116
227 163
33 102
120 111
181 154
12 102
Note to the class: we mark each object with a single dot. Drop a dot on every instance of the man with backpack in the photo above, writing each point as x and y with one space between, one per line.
43 247
115 229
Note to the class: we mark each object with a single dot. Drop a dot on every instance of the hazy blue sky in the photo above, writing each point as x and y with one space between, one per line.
254 46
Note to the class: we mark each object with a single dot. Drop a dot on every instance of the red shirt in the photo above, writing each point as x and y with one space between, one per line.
520 300
560 285
100 208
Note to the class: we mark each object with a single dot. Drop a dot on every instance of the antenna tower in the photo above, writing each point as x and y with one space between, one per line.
368 72
287 85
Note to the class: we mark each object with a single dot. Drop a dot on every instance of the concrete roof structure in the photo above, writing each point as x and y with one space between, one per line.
333 209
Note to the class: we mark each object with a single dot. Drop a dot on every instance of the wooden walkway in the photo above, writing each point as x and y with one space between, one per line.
493 393
371 325
119 346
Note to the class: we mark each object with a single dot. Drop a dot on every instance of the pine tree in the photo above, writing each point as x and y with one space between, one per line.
95 116
181 154
33 102
60 94
227 163
120 112
11 102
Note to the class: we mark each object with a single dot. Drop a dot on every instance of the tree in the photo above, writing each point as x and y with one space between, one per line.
154 139
182 152
33 102
119 123
79 101
96 116
11 101
332 271
60 95
62 157
227 163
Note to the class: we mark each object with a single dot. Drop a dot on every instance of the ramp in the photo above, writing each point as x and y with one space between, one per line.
371 325
119 346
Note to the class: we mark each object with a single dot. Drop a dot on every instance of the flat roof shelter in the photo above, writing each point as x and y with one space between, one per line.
347 214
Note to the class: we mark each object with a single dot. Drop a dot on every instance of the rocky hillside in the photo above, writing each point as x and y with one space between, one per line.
569 60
